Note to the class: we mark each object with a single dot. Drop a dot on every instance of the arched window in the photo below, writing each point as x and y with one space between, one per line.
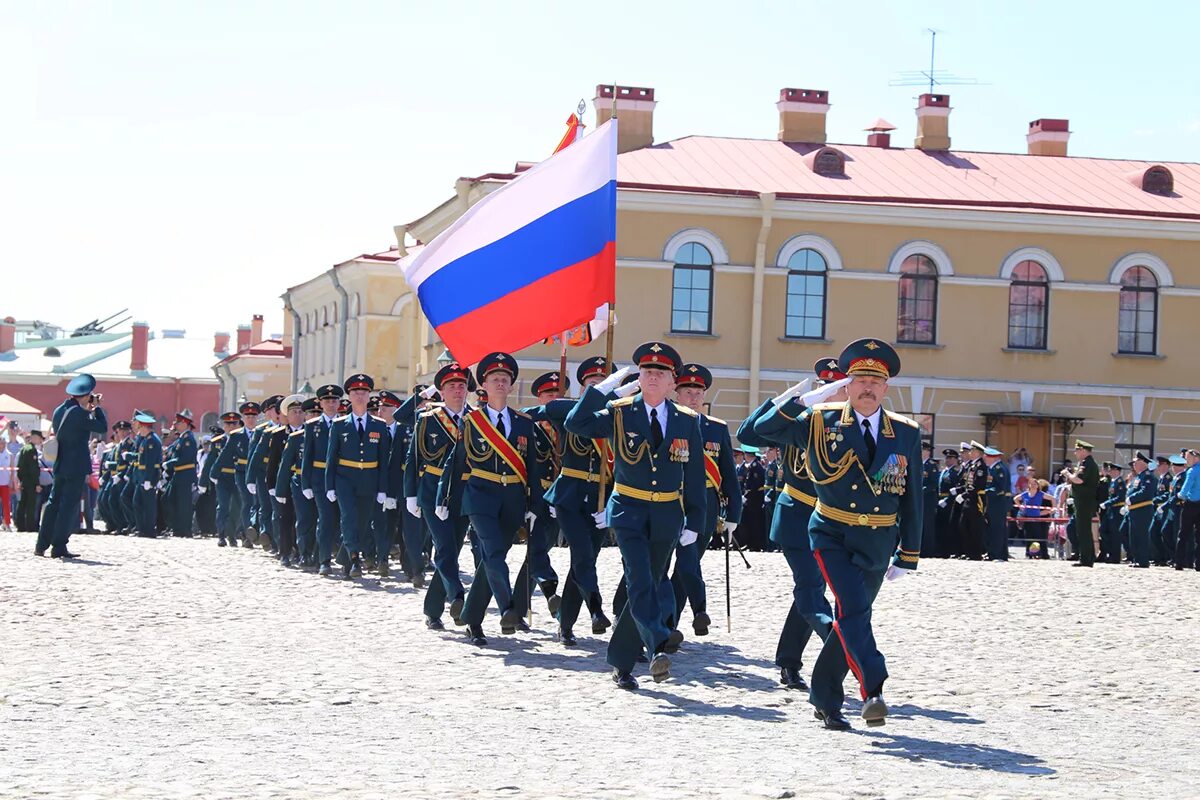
1028 296
691 289
805 310
916 312
1137 323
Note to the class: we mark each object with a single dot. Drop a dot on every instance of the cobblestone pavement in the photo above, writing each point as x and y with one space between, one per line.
172 668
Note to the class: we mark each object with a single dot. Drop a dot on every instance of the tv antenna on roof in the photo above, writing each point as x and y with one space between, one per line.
933 76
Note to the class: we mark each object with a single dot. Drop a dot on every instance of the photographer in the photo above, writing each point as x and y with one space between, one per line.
75 420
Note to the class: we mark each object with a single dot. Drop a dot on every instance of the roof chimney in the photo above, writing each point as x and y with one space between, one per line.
1048 137
256 329
802 115
243 338
221 344
8 335
880 133
138 352
635 109
933 122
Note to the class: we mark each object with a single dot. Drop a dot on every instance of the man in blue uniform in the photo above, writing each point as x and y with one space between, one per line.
1138 511
543 534
929 480
75 420
948 532
256 472
584 478
181 466
415 542
282 463
220 471
1187 548
148 469
998 498
116 469
237 454
809 611
658 501
357 471
503 489
865 464
1110 515
723 497
435 432
312 473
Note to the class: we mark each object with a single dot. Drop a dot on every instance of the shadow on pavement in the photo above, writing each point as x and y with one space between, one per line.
907 711
957 755
683 705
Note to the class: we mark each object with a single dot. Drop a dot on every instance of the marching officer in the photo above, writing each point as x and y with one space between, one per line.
387 522
147 470
1084 479
772 486
221 471
435 432
865 463
497 454
999 504
282 465
577 496
237 454
1138 511
415 542
356 475
809 611
543 534
256 471
181 466
312 473
658 500
723 496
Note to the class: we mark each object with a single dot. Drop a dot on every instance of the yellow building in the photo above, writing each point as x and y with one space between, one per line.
1034 297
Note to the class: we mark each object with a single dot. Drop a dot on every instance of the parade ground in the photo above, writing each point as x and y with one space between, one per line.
172 668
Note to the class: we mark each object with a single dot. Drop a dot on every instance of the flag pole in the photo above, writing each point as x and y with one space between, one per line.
608 349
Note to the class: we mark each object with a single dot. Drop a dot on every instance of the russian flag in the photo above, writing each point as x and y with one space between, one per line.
534 258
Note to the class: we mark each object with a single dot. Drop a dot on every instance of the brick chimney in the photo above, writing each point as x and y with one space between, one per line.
139 351
256 329
221 344
880 133
802 115
8 335
933 122
635 110
243 338
1048 137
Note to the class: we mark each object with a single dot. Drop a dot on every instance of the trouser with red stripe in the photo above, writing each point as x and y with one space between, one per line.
853 646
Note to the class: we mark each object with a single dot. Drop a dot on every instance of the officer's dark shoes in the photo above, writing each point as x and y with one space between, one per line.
1080 564
369 564
624 680
700 624
246 543
456 607
832 720
355 568
660 667
418 581
324 570
40 553
384 570
509 619
475 635
251 534
434 624
674 639
790 678
566 637
874 711
62 554
600 623
554 602
522 626
221 543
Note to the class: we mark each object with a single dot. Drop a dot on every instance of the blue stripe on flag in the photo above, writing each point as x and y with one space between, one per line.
563 237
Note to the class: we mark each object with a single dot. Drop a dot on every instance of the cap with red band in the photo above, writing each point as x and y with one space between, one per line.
827 369
496 362
359 381
549 382
596 365
696 375
657 355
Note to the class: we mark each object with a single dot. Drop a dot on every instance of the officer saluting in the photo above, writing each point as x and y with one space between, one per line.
865 464
658 492
356 475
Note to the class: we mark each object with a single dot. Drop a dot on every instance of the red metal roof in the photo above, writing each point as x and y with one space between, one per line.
707 164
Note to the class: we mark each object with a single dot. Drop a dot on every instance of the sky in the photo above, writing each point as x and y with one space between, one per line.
192 160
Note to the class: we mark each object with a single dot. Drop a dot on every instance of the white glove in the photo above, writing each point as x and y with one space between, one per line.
601 519
161 484
308 494
389 504
281 500
213 479
630 388
810 399
202 489
252 488
271 492
331 496
530 518
146 485
730 527
553 512
790 392
894 572
613 381
943 502
429 391
442 513
381 498
688 537
410 503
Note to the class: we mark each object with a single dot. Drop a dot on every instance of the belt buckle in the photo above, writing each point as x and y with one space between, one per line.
862 519
654 497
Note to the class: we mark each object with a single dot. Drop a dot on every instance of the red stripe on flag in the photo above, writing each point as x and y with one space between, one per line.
557 302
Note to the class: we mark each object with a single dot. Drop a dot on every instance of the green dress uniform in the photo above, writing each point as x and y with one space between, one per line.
866 502
147 470
181 466
1138 512
312 476
998 499
1110 520
929 480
